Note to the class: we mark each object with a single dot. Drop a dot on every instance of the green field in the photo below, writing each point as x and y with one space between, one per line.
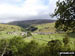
36 44
5 29
39 38
45 38
48 27
9 28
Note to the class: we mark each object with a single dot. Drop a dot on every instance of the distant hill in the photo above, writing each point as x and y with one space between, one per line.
27 23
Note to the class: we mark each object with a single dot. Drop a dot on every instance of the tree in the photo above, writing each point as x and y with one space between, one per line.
66 42
54 46
12 47
29 34
32 48
65 13
3 46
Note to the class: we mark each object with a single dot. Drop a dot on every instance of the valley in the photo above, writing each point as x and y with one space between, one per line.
40 37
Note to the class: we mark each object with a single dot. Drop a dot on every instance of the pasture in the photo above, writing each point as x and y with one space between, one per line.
44 39
41 39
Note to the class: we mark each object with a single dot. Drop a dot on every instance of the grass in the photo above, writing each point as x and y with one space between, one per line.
8 28
4 29
49 27
44 39
41 39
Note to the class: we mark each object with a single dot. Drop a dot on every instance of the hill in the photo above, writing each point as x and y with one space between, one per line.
47 28
5 27
28 23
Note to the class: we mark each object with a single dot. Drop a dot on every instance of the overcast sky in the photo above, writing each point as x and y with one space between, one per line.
11 10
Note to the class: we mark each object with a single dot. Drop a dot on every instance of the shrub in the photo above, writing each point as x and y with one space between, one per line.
32 49
29 34
66 40
54 47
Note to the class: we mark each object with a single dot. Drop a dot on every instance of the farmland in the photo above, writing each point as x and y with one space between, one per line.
35 41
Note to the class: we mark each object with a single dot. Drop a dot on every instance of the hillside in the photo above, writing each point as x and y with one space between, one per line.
28 23
48 27
5 27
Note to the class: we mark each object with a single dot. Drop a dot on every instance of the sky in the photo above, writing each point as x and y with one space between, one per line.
13 10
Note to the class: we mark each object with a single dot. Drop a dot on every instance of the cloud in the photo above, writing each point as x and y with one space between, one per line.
25 9
11 1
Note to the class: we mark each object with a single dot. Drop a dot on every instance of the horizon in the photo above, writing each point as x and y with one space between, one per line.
25 20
